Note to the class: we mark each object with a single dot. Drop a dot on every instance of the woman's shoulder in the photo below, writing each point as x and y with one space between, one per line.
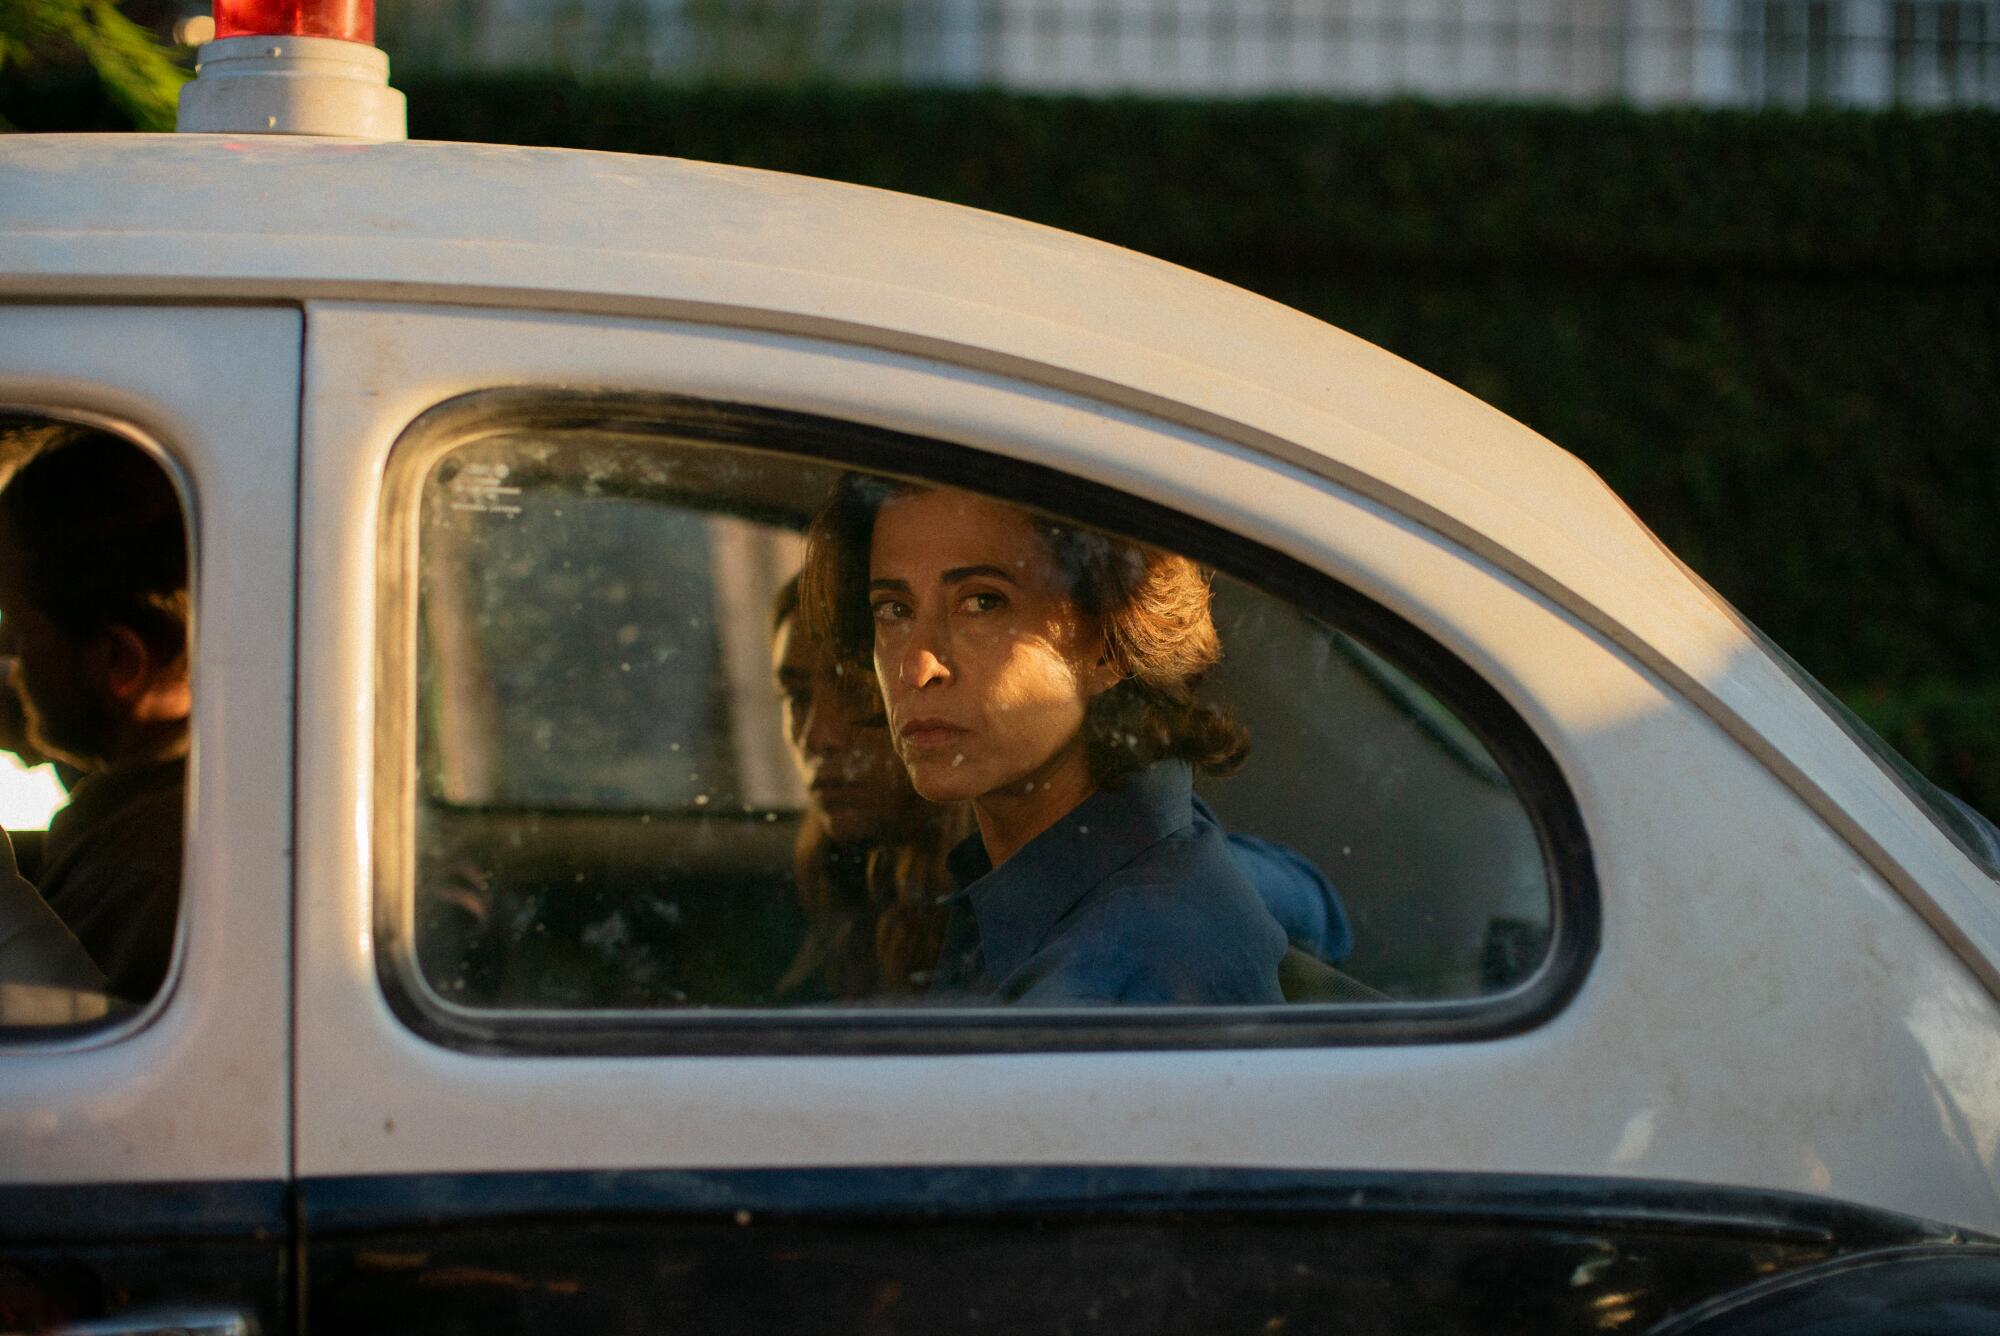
1178 925
1193 863
1189 892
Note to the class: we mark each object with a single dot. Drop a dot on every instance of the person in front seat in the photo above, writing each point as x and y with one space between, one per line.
35 947
94 617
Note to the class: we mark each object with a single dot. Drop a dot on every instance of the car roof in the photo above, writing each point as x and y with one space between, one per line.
214 217
285 217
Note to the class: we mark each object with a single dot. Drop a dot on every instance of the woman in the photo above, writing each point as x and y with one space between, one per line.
1047 676
870 854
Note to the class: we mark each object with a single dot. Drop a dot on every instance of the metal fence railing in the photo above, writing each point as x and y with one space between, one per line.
1705 52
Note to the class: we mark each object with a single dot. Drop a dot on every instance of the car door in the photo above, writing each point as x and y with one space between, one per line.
144 1151
550 1069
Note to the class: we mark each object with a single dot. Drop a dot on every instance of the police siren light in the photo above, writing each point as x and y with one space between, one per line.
343 20
293 67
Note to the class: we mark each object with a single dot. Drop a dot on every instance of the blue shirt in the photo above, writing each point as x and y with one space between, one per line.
1132 897
1297 893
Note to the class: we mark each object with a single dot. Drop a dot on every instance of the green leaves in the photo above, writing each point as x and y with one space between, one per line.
138 74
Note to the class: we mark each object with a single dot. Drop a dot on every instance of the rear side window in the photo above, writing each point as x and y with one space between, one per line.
96 642
708 726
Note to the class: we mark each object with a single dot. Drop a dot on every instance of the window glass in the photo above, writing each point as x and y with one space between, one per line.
95 640
985 755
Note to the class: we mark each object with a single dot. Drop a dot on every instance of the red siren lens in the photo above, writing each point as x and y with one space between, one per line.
347 20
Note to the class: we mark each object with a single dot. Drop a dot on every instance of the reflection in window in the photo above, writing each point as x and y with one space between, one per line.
657 772
669 706
1378 783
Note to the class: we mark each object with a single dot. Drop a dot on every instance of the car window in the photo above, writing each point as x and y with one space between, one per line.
714 716
95 645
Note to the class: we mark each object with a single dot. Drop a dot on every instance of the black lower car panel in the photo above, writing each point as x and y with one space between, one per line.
1078 1250
79 1252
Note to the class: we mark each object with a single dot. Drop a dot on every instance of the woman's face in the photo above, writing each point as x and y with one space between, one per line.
839 740
984 660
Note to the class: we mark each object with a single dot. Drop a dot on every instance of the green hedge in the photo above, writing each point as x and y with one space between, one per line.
1435 187
1945 729
1776 335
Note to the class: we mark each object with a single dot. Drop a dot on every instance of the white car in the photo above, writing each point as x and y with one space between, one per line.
1668 1001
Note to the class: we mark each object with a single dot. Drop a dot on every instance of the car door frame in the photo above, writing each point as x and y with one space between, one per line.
144 1163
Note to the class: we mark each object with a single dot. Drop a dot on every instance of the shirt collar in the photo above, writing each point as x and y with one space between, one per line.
1020 902
99 791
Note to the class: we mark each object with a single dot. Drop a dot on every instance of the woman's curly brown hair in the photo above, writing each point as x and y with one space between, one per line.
1152 607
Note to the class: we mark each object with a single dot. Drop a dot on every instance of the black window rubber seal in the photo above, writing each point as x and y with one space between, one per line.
1520 753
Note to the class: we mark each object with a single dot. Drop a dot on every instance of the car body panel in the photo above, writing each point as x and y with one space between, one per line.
145 1254
1050 1250
1711 1042
197 1086
144 1161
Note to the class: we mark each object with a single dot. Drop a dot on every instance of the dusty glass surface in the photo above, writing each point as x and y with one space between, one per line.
616 808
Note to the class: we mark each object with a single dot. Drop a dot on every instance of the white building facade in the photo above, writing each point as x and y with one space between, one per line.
1869 53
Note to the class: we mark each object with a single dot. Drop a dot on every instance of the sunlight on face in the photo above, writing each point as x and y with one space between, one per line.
985 662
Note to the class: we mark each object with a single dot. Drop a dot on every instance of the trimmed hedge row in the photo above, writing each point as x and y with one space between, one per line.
1776 335
1453 187
1949 731
1822 452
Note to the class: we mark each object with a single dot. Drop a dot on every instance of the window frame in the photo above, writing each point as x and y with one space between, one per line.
1511 742
120 1020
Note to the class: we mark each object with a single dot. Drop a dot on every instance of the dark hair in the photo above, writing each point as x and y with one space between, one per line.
98 528
1152 607
874 924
